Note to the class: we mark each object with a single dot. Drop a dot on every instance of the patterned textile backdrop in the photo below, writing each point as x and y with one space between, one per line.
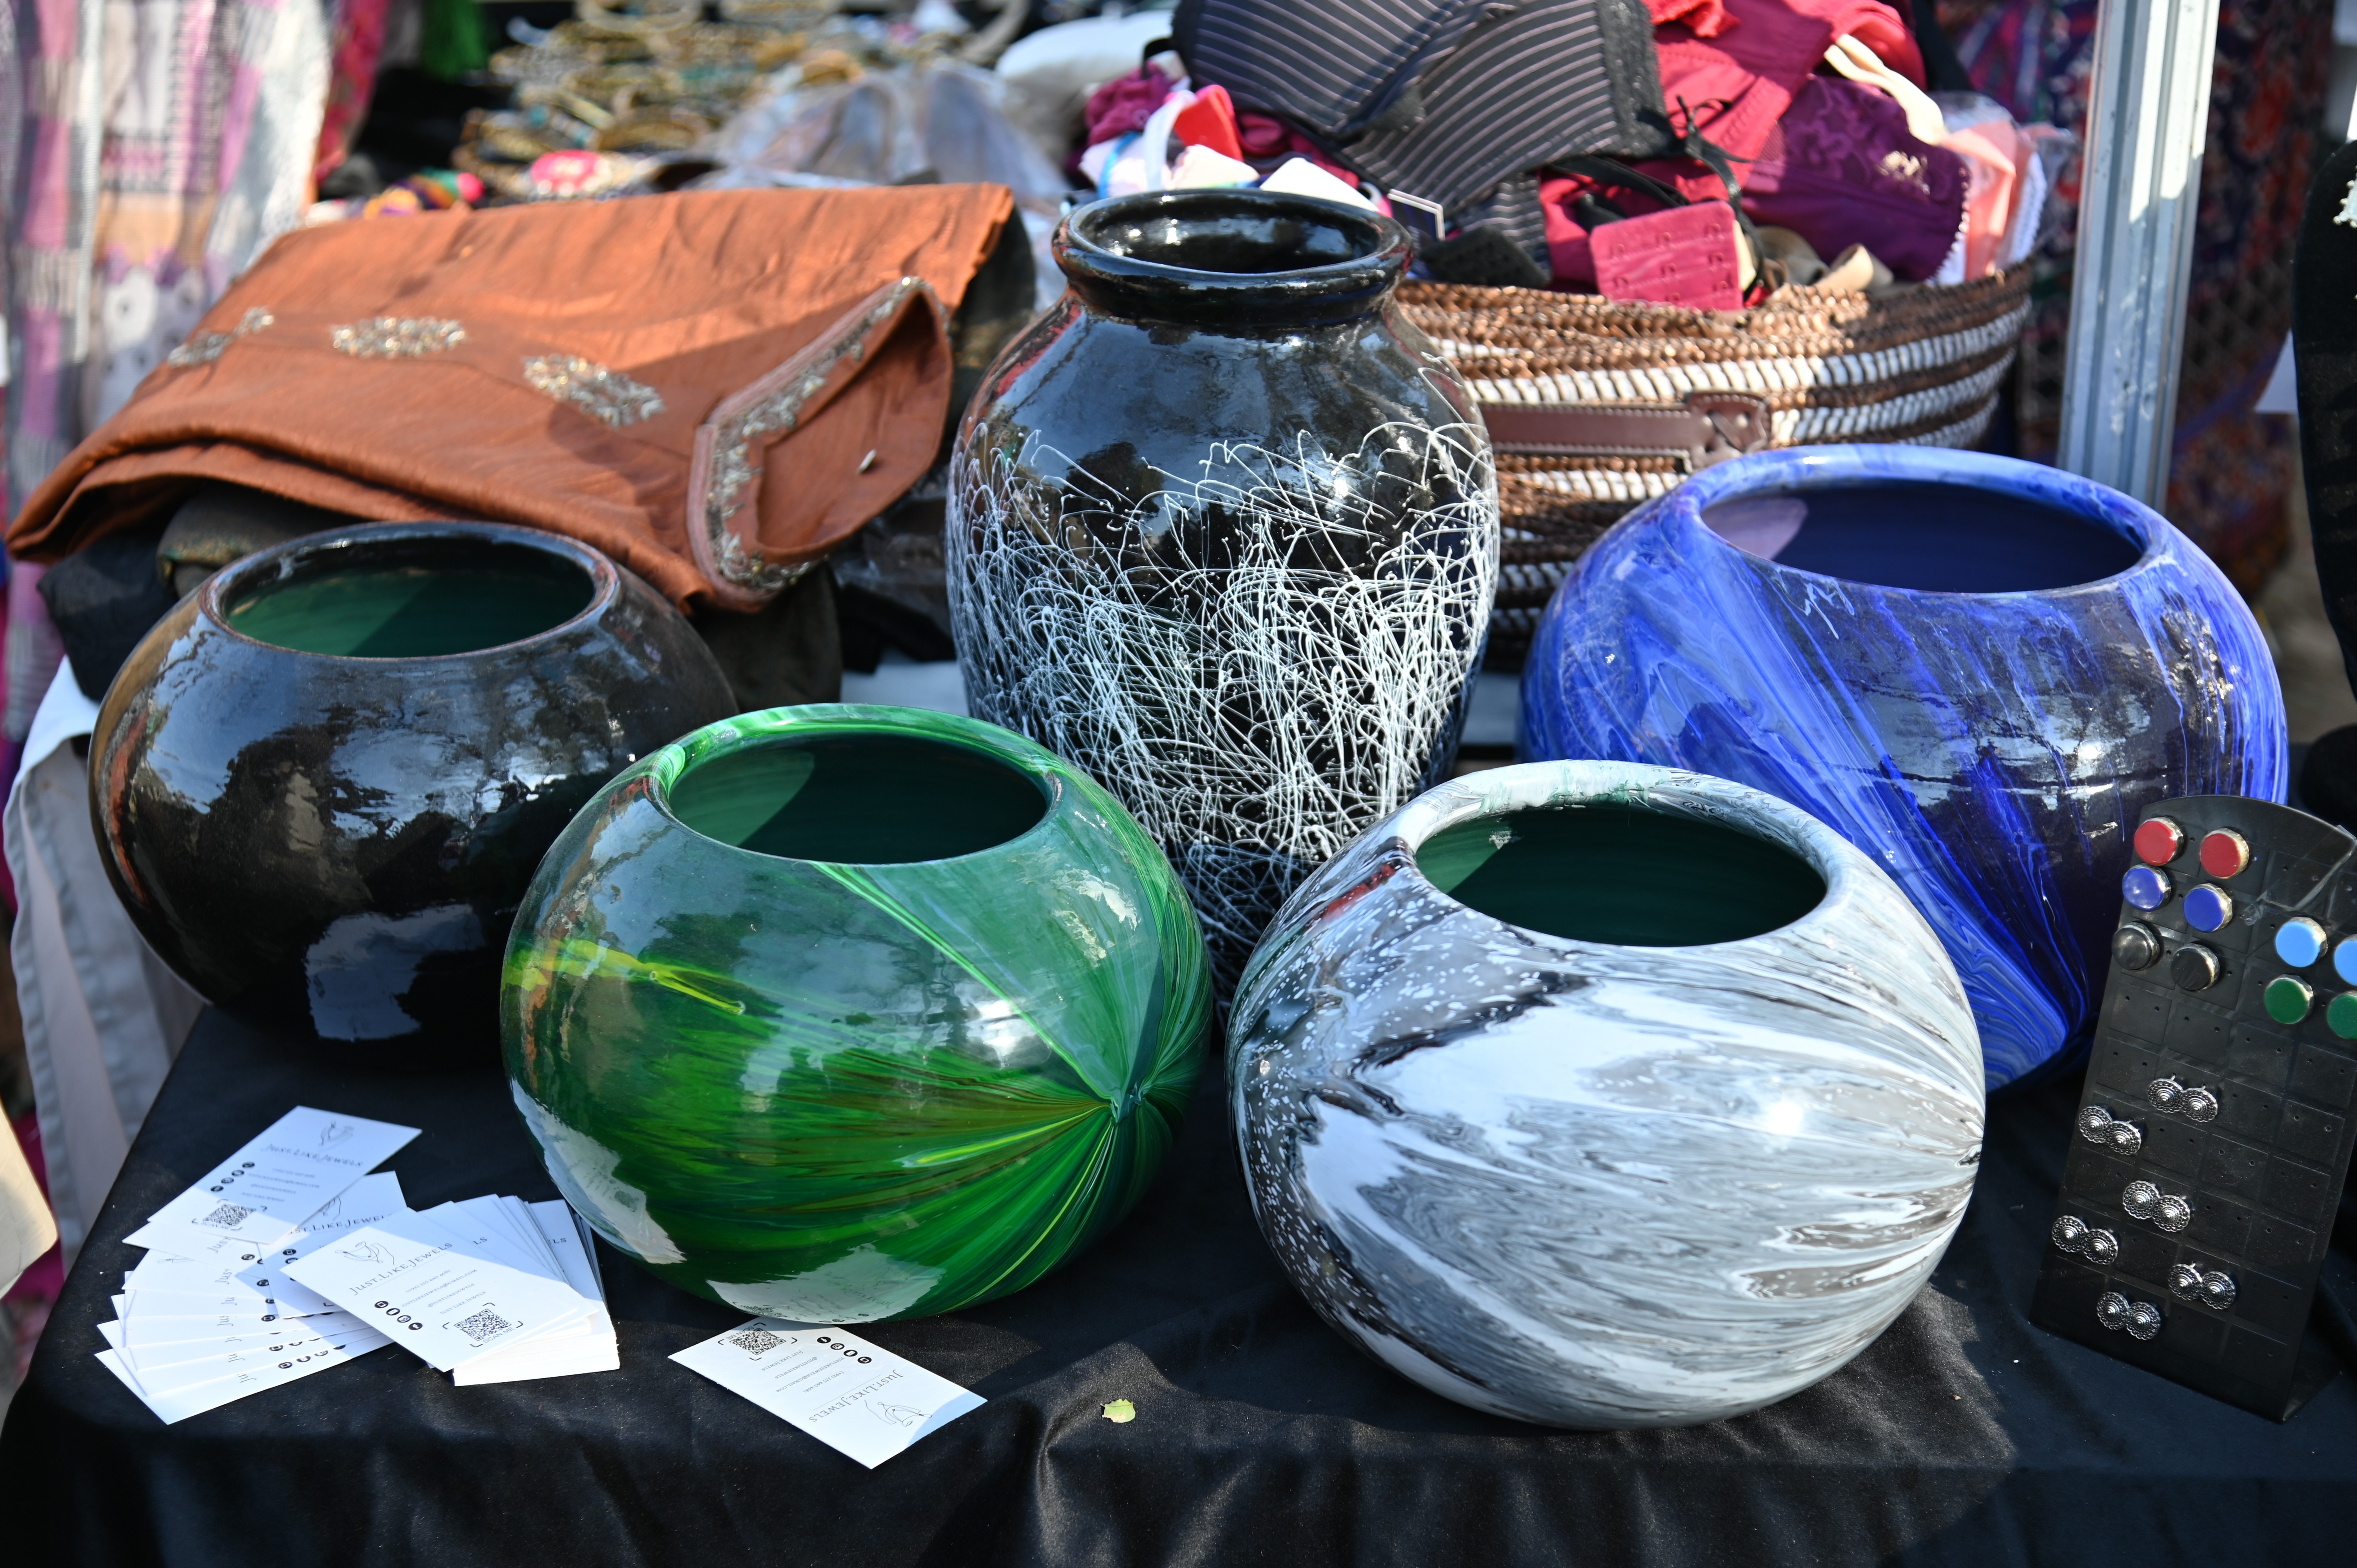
165 143
2232 471
158 144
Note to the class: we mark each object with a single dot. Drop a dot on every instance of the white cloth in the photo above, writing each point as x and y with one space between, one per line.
26 1229
103 1016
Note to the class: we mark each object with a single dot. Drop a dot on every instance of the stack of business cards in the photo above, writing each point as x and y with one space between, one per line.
190 1336
492 1290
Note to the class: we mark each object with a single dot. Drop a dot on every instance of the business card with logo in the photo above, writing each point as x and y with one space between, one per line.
444 1297
857 1398
364 1202
271 1186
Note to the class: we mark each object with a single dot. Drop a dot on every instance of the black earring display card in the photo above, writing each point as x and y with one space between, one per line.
2213 1134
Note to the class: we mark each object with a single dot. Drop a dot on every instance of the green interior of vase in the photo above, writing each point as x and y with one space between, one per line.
414 597
857 800
1621 875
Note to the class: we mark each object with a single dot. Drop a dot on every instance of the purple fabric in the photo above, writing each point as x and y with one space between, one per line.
1841 168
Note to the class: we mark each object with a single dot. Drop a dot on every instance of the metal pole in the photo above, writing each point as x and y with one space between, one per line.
2147 116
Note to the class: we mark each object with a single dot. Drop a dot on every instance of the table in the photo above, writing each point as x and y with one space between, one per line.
1964 1435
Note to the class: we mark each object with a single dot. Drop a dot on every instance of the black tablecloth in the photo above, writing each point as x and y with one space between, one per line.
1964 1435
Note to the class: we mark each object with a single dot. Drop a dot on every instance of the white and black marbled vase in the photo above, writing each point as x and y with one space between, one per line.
1223 531
1672 1166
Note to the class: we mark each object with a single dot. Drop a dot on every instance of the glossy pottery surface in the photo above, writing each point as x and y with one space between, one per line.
1223 531
1646 1181
1990 747
837 1090
333 843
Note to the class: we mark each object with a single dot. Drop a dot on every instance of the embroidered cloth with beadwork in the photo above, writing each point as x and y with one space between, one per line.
713 387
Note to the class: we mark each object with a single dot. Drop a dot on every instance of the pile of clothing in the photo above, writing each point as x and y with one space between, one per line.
1692 152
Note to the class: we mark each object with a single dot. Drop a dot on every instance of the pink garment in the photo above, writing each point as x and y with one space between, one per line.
1688 256
354 45
1992 152
1125 103
1739 83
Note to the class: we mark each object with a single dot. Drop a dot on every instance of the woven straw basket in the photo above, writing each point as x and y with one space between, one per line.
1921 367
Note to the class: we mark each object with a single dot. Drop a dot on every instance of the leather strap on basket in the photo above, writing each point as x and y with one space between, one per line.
1709 429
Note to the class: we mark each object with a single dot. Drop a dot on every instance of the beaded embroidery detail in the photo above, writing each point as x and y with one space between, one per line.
204 348
607 396
397 337
725 551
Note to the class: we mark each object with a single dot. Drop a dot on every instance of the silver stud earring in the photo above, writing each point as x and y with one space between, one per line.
2098 1126
2141 1319
2211 1288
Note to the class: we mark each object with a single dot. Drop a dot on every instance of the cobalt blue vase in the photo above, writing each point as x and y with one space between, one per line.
1976 669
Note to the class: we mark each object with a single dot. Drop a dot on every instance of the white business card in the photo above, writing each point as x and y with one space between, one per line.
251 1378
853 1396
441 1296
196 1303
365 1202
170 1367
272 1184
154 1320
589 1346
569 1241
163 1271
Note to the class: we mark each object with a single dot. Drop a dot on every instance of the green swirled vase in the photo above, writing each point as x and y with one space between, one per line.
840 1014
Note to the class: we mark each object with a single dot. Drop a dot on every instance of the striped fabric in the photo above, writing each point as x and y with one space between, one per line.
1446 101
1514 208
1332 66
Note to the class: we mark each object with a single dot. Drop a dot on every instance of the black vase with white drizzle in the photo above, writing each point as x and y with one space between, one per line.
1223 531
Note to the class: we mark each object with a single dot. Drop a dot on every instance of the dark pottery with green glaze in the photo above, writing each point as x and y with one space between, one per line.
323 781
839 1013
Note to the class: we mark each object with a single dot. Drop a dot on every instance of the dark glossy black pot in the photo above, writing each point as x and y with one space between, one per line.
1223 531
323 779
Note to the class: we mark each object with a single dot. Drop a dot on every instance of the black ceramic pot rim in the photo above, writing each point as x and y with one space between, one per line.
783 727
224 587
1088 245
1802 468
1641 786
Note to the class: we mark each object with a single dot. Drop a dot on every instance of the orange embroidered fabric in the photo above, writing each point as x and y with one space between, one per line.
554 366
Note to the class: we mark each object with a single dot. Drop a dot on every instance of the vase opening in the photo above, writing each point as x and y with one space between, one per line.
1231 238
1621 875
1927 538
410 596
857 800
1231 258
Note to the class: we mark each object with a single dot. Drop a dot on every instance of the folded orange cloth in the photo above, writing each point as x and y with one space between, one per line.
713 387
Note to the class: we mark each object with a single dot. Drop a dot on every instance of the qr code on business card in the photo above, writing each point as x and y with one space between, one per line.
484 1325
753 1341
228 1216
